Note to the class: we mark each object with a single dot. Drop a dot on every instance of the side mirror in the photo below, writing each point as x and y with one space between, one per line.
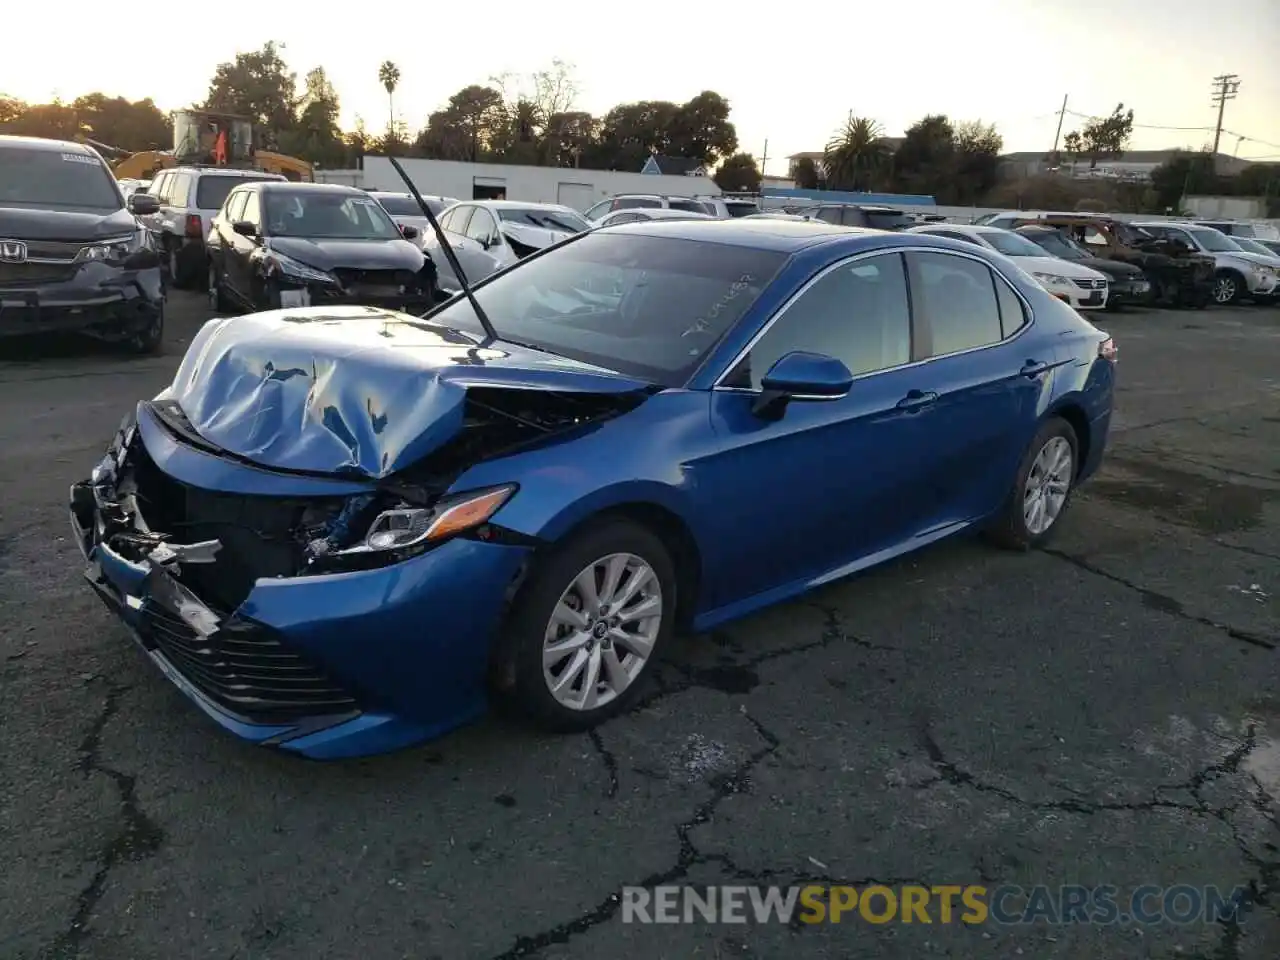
802 376
245 228
408 232
143 204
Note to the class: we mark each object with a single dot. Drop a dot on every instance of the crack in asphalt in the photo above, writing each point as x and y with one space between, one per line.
1166 604
608 759
138 839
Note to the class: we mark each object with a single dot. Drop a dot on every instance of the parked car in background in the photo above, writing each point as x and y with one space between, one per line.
647 201
637 214
727 208
1178 275
282 244
490 235
1242 228
1272 245
405 211
1082 287
1126 283
348 555
1238 274
859 215
74 257
189 198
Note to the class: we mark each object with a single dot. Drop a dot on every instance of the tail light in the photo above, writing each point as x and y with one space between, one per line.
195 226
1107 350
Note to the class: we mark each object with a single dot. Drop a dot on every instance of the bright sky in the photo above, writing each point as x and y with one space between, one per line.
792 74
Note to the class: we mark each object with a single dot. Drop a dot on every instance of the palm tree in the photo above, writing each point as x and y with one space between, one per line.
389 77
854 152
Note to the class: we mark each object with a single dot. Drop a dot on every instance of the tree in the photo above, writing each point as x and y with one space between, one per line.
1104 136
466 128
567 137
1184 173
389 77
701 129
1072 147
977 147
630 133
853 153
738 173
806 174
317 136
257 85
11 108
926 159
131 126
55 120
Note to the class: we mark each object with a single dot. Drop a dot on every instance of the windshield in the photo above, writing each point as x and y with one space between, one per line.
1011 244
563 220
647 307
1214 242
1059 246
408 207
212 190
327 216
48 178
1252 246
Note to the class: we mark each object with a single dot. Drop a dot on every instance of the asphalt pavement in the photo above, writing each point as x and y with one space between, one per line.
1105 712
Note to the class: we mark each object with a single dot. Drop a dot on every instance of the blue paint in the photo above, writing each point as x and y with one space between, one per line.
849 196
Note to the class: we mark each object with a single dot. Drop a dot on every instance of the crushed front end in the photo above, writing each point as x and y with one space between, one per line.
267 599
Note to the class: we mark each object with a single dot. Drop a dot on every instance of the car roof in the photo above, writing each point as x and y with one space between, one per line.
518 205
973 229
222 172
46 145
783 236
292 186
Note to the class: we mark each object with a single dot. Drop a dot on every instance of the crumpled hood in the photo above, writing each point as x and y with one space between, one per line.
531 236
359 392
70 224
350 254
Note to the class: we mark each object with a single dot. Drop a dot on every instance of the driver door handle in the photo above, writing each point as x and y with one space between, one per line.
917 400
1033 368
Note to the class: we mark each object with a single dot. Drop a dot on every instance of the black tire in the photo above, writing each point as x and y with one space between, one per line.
1009 528
148 342
531 611
219 302
179 267
1228 280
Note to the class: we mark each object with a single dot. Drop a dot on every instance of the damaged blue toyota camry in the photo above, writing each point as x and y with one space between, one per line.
341 530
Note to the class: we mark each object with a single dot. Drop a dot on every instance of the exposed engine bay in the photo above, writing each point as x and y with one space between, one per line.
220 544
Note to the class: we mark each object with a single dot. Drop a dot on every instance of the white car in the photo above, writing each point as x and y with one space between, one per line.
1082 287
648 213
404 210
490 235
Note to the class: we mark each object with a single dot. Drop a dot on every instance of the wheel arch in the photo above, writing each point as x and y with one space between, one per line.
1072 412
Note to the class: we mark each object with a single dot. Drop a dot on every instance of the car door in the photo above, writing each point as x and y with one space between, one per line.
238 249
454 224
221 229
828 482
487 249
986 376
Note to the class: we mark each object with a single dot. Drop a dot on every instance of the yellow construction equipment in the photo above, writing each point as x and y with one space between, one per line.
207 138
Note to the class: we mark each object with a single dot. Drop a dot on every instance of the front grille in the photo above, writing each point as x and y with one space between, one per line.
381 280
29 274
53 249
245 669
1090 284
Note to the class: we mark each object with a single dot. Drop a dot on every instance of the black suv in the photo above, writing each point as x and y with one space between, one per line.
859 215
73 258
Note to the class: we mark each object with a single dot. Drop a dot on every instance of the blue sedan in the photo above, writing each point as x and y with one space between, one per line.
342 529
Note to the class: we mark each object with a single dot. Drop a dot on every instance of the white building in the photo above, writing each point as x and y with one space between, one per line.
572 187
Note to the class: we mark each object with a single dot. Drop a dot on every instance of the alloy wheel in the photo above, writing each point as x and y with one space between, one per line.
602 630
1224 290
1048 483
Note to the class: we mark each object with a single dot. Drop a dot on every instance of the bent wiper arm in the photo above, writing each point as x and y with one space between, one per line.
448 251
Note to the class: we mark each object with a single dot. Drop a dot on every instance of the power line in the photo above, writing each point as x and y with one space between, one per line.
1225 87
1138 126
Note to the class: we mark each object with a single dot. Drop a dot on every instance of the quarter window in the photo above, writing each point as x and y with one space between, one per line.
458 220
235 206
252 210
957 297
1013 315
858 313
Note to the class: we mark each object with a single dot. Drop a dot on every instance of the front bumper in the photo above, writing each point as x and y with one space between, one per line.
1094 298
1262 286
1129 291
326 666
95 299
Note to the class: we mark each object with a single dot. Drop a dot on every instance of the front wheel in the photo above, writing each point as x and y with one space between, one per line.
148 340
587 624
1228 288
1041 489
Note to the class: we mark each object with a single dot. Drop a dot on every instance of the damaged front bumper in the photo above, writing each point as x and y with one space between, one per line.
324 665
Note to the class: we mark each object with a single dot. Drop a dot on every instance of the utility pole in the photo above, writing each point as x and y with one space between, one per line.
1225 87
1053 154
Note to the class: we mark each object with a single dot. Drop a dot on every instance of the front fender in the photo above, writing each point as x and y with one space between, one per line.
547 520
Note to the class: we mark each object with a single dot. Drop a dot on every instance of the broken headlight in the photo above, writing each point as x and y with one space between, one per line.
405 531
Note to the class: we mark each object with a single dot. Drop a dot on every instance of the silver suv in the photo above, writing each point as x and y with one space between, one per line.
190 197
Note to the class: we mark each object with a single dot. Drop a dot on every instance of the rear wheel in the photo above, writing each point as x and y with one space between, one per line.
1041 489
588 623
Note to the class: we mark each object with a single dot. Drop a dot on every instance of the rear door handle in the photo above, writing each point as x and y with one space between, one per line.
917 399
1033 368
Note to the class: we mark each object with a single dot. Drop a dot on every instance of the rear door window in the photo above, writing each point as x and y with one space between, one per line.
629 203
956 297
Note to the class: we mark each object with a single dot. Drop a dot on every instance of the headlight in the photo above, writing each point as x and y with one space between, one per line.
115 248
278 263
1053 279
